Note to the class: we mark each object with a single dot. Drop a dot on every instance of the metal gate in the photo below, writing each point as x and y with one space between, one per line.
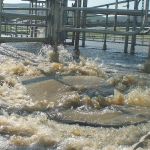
50 17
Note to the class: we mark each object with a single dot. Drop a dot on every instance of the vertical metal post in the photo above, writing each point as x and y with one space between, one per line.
47 21
56 23
149 51
1 9
50 21
16 27
84 22
52 10
35 28
142 7
127 29
76 52
27 31
55 12
74 22
62 14
11 29
105 35
31 6
5 30
133 40
53 25
42 7
65 18
21 29
63 21
115 18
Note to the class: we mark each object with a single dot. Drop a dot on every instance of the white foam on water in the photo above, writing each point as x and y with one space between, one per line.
35 130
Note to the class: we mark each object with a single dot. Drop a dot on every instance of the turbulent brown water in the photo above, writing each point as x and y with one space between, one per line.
27 123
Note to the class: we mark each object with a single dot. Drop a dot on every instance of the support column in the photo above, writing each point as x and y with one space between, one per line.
74 22
63 35
56 23
76 52
55 14
105 35
84 22
147 62
1 9
127 29
31 12
52 10
133 40
27 31
16 29
47 29
5 30
35 28
115 18
149 51
42 7
50 21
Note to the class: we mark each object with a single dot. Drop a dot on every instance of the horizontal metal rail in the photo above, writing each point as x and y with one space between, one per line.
111 11
106 11
23 16
25 24
22 39
18 8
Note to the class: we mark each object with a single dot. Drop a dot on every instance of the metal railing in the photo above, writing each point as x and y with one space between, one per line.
54 21
18 27
109 12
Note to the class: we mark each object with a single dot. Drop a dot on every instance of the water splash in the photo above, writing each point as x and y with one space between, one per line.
33 129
